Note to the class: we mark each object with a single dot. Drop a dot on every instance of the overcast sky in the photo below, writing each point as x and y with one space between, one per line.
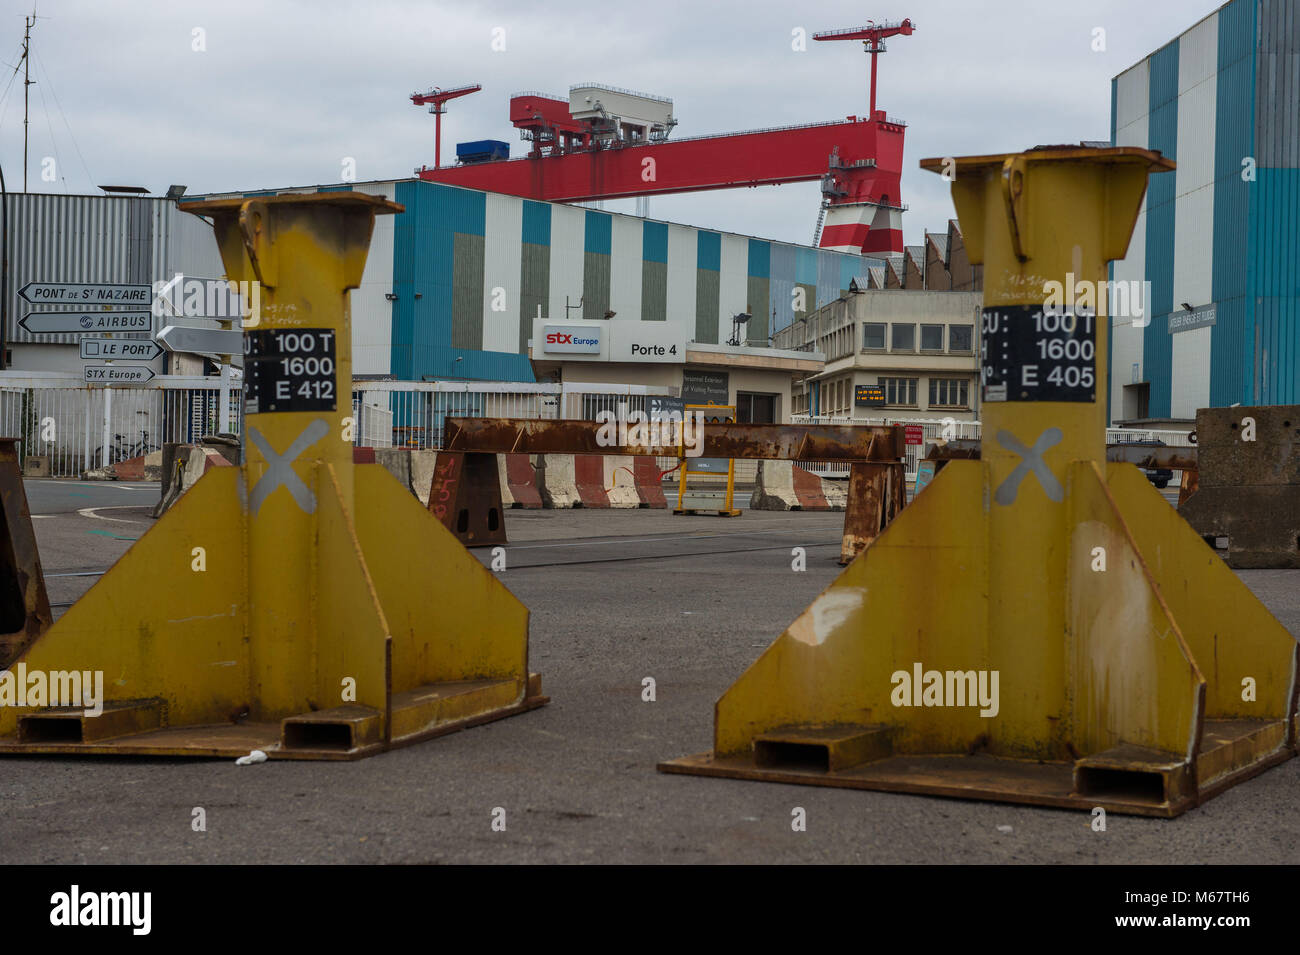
284 90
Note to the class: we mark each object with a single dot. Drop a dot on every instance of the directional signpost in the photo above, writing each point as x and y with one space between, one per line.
61 322
210 341
120 349
83 294
117 374
222 342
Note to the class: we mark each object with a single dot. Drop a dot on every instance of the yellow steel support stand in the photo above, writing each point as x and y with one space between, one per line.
299 604
697 500
1040 626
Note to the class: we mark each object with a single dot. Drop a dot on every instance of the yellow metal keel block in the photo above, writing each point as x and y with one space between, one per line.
1040 626
299 604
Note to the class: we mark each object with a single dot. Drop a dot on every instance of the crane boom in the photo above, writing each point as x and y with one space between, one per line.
873 42
436 100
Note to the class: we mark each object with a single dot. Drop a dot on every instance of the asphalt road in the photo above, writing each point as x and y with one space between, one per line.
615 597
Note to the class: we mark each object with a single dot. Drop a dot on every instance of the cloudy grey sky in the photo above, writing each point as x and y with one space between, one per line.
286 89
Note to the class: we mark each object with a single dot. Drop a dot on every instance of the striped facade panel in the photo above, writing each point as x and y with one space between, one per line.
654 272
758 292
534 267
706 306
595 285
467 292
500 295
1277 85
568 238
733 281
372 312
536 222
534 288
1276 284
1132 99
626 236
1232 347
806 275
683 255
708 267
1193 241
781 269
1161 221
654 291
851 267
596 265
1275 217
828 276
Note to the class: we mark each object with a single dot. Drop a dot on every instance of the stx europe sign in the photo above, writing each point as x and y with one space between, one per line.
571 339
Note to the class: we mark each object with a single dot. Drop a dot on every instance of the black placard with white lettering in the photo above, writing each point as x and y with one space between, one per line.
1030 354
289 369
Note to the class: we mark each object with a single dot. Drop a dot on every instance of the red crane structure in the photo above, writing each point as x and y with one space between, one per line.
607 143
436 100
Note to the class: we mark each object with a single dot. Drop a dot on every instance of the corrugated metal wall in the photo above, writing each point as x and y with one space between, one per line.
54 238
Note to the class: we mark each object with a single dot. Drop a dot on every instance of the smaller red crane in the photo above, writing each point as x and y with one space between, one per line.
873 41
436 100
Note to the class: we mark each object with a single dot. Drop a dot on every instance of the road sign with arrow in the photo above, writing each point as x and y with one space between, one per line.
63 322
84 294
120 349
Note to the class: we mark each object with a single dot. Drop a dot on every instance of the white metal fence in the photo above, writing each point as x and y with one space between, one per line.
77 427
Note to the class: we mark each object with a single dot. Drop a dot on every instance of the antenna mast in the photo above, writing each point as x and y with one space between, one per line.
27 82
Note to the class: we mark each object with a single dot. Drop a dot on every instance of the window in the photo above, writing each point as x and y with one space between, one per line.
960 337
899 391
931 338
948 392
873 335
752 408
904 337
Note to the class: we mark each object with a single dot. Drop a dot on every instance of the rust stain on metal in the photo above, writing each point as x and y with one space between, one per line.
787 442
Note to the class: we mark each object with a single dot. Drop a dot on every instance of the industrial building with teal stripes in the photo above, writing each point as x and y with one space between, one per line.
1216 239
453 284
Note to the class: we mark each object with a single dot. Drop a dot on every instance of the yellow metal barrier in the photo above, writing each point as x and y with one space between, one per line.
1040 626
300 604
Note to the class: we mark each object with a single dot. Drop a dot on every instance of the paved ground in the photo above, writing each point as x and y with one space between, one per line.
615 596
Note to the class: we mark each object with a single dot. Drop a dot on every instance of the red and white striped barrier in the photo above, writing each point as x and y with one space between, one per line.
599 480
518 481
784 486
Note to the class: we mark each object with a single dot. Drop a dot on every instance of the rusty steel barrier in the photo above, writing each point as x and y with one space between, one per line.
466 493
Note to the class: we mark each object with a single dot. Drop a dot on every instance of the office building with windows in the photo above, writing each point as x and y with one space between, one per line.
919 348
